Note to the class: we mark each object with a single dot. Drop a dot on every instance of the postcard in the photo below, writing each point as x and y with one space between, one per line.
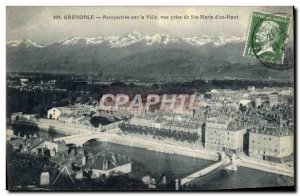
150 98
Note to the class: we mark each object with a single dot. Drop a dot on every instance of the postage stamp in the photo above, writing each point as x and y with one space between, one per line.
267 37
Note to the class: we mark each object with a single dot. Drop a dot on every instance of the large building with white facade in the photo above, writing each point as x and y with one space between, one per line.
56 112
273 99
270 143
224 134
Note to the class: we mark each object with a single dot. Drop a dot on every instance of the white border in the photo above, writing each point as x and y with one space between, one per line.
5 3
153 2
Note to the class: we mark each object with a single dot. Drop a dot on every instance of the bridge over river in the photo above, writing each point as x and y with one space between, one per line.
203 172
80 139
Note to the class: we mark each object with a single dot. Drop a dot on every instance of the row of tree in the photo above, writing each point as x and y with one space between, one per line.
190 137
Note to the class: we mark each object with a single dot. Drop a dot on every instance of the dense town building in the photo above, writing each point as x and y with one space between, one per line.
270 143
254 122
224 134
56 112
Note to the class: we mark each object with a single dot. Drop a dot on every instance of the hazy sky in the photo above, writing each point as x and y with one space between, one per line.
37 23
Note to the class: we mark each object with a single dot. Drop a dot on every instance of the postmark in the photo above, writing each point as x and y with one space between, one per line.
267 38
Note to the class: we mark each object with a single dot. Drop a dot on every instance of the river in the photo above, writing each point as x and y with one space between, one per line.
156 164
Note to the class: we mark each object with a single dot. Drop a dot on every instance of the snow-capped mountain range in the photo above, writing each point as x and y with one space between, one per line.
133 38
27 43
134 54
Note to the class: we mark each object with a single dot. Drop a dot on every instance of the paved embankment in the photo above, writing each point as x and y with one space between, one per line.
265 166
157 146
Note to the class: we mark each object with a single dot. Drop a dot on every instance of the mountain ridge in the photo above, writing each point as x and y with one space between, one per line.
155 55
134 37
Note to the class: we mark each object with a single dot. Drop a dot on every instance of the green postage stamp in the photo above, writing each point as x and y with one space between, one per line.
267 37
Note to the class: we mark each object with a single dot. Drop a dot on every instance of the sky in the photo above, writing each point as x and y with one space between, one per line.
37 23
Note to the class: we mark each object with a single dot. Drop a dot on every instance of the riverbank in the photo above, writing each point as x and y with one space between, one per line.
245 161
157 146
266 166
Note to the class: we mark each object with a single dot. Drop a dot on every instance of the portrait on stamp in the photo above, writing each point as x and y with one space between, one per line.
267 37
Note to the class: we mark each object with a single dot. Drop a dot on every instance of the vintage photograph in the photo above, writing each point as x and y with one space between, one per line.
150 98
